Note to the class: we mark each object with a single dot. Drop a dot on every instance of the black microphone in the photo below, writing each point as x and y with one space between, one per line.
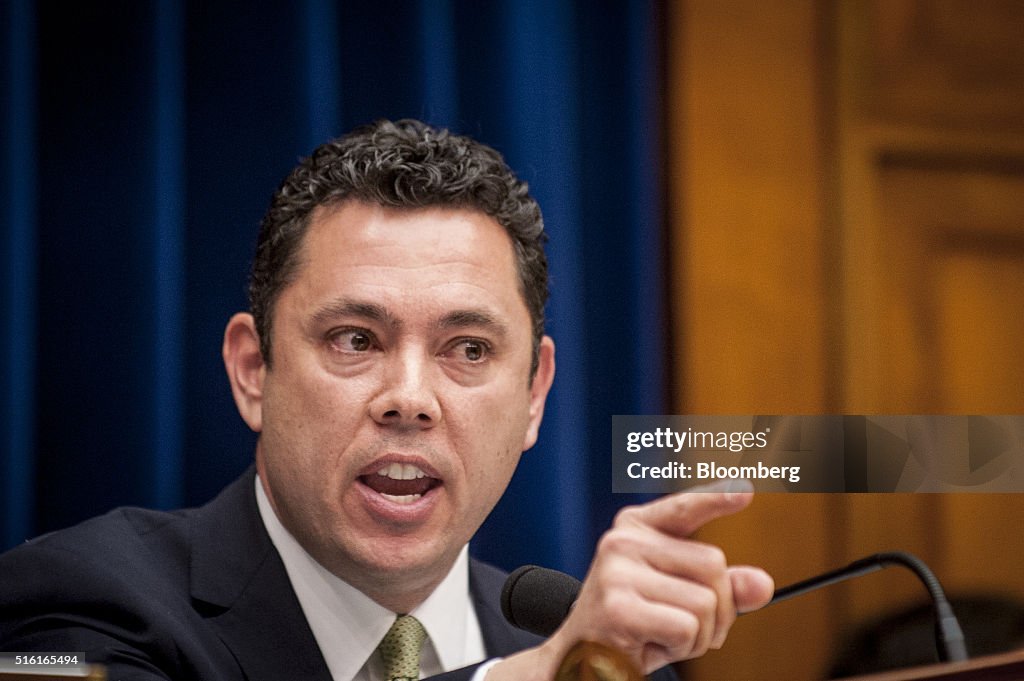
539 599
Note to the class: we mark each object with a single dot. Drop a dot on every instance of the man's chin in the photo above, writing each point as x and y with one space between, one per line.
400 574
411 558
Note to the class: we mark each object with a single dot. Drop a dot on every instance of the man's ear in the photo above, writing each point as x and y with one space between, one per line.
245 367
539 388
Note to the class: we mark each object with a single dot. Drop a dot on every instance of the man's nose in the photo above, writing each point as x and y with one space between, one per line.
407 396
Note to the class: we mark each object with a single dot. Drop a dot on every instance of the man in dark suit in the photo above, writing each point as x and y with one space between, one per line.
395 366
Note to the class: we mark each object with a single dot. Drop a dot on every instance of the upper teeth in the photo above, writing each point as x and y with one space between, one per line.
401 471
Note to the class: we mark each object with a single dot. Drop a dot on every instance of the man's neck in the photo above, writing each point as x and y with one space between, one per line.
399 593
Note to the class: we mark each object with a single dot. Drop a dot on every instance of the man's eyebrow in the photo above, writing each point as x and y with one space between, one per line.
458 319
346 307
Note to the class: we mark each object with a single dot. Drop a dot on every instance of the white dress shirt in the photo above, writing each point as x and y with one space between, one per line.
348 625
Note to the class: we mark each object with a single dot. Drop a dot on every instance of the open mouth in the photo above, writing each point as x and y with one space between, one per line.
402 483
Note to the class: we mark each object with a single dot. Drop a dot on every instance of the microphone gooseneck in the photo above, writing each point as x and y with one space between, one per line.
949 638
539 599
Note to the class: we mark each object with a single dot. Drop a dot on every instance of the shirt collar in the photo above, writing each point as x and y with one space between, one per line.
445 614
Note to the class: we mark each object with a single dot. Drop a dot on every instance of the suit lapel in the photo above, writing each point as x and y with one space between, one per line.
500 637
239 583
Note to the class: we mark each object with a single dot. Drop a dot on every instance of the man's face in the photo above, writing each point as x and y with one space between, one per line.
399 398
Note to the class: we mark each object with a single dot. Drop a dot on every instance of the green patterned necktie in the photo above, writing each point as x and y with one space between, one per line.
400 649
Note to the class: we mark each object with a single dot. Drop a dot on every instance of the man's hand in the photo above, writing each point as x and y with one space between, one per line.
652 592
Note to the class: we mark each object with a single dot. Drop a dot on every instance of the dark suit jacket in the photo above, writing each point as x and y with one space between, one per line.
199 594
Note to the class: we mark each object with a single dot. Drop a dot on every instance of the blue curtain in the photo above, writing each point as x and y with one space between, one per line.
141 144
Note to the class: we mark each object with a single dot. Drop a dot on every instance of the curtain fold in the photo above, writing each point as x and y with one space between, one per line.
18 259
142 142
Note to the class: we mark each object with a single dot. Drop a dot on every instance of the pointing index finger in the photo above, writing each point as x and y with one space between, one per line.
683 513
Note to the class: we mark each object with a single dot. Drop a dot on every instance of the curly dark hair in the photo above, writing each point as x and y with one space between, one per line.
402 164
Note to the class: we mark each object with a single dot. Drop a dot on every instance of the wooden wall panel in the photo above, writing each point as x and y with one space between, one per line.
987 533
846 193
939 63
946 258
749 265
975 292
745 187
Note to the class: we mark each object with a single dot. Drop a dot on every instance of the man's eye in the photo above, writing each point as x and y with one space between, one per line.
472 350
353 341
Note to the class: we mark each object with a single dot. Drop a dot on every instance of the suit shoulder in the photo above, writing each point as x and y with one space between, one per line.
121 532
118 556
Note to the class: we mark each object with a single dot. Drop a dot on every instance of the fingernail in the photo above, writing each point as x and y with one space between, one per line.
727 486
739 486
